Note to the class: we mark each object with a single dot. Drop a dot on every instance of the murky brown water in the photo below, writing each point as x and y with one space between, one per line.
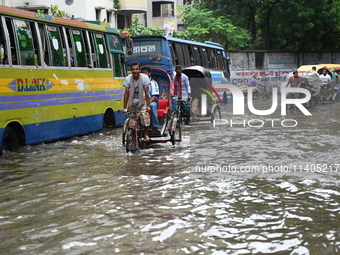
86 196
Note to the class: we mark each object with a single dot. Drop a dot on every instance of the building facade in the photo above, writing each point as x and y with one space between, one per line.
118 13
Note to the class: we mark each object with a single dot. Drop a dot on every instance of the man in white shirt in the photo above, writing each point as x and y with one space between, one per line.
182 91
182 84
136 97
325 78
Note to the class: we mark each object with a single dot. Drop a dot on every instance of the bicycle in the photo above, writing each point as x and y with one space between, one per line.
132 136
265 92
185 109
175 122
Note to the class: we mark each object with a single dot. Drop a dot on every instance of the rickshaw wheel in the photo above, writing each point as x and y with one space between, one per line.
216 114
130 144
176 135
123 139
141 143
337 98
312 102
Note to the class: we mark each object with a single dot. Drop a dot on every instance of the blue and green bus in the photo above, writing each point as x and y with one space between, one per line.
167 52
58 78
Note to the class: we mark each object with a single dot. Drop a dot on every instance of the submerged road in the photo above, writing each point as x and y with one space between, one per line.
86 196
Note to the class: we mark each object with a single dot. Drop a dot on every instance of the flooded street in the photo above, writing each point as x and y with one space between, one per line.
86 196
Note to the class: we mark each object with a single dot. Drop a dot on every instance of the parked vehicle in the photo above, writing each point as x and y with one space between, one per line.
167 52
311 82
305 68
59 78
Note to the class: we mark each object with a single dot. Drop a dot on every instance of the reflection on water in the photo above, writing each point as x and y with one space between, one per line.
86 196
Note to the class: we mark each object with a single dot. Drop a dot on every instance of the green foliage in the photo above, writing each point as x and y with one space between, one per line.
41 11
281 24
138 29
117 5
259 25
203 24
54 9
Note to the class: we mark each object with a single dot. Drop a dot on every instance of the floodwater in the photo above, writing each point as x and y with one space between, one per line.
86 196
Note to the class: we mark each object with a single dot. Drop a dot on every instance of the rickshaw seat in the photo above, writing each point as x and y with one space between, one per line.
163 108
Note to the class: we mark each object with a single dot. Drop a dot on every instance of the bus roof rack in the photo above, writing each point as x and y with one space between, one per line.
213 43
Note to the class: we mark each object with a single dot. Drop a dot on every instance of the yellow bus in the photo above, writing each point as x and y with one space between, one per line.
58 78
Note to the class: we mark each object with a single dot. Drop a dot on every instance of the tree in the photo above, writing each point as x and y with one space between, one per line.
260 24
241 13
203 24
138 29
282 24
54 9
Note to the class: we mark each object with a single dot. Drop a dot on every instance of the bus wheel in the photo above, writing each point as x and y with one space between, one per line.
10 140
109 119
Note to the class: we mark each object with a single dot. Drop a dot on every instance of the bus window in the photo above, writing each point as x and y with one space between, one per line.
88 49
215 57
179 53
210 53
2 44
93 52
101 50
35 34
119 65
79 48
55 46
71 47
43 37
13 41
173 54
206 63
193 60
197 56
189 60
220 62
25 42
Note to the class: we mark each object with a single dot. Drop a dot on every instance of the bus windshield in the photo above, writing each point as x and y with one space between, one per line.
147 47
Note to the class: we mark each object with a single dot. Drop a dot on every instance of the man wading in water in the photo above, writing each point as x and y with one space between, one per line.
136 97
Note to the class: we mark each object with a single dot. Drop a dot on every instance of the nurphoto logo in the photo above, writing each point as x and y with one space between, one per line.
238 105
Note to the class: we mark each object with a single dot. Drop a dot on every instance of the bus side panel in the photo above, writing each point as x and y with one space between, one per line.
53 104
54 130
120 117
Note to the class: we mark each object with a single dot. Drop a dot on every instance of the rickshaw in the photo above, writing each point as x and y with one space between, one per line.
327 91
132 129
204 105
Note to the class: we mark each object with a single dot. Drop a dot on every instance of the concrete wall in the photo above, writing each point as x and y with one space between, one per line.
272 68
